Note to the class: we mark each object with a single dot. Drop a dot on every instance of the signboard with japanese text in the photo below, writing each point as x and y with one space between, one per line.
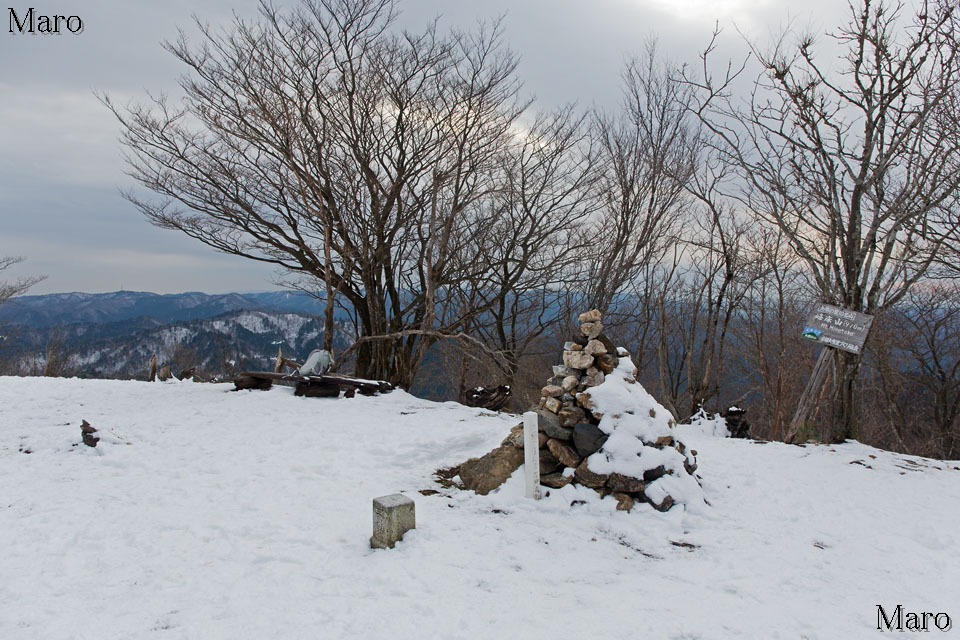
836 327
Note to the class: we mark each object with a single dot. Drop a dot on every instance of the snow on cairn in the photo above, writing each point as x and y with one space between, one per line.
598 428
642 440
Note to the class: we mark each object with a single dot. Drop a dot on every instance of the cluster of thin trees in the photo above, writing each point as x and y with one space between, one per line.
404 176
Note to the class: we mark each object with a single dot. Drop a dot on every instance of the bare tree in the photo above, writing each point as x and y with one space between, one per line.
12 288
857 166
698 304
320 141
917 368
773 361
531 251
647 155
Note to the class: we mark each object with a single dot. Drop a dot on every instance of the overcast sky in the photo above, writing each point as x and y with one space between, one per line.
60 165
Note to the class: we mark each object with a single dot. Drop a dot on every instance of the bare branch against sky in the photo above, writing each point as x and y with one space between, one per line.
60 164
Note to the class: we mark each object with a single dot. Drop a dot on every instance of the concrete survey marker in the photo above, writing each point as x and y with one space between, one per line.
393 516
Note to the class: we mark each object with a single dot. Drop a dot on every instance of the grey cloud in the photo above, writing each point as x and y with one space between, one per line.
60 163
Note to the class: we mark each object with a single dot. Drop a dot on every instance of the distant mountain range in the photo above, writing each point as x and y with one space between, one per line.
113 335
68 308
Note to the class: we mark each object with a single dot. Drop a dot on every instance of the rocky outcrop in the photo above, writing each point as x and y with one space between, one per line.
486 473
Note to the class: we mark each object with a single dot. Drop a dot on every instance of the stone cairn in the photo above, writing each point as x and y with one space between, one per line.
569 431
89 434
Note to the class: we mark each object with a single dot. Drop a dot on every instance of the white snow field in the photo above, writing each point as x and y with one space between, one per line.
211 514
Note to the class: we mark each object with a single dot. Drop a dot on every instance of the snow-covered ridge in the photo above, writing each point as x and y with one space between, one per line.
250 335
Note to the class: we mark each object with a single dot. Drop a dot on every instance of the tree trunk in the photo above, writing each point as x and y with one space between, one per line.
844 425
810 394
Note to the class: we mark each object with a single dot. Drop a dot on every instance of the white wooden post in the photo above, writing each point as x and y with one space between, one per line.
531 454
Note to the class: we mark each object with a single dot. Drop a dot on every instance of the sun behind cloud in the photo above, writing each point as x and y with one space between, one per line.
739 11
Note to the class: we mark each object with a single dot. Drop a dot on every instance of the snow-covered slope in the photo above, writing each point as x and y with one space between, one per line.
248 515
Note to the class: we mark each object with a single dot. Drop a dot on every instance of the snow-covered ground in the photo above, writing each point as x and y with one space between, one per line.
209 514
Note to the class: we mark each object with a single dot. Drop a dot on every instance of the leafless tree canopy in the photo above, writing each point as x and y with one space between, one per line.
12 288
404 176
323 142
856 167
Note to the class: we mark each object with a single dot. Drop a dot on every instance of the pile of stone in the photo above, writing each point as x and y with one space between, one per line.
572 430
89 434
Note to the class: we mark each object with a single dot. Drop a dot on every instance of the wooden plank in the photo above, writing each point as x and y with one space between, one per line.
312 389
366 387
242 382
270 375
810 393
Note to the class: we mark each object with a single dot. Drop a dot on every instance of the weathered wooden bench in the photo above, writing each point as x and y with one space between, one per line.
323 385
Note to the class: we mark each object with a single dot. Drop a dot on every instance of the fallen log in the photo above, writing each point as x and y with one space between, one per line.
493 398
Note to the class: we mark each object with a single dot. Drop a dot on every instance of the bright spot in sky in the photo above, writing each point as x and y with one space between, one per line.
711 10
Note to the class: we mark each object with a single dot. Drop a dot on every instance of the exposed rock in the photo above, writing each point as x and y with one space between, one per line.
570 416
548 462
486 473
564 453
664 441
515 438
551 391
588 478
550 425
561 371
551 404
570 383
595 348
589 316
653 474
625 502
608 344
588 438
585 401
664 505
555 480
542 439
89 434
594 380
581 340
625 484
577 359
591 329
606 363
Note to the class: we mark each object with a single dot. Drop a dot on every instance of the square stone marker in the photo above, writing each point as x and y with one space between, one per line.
393 516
